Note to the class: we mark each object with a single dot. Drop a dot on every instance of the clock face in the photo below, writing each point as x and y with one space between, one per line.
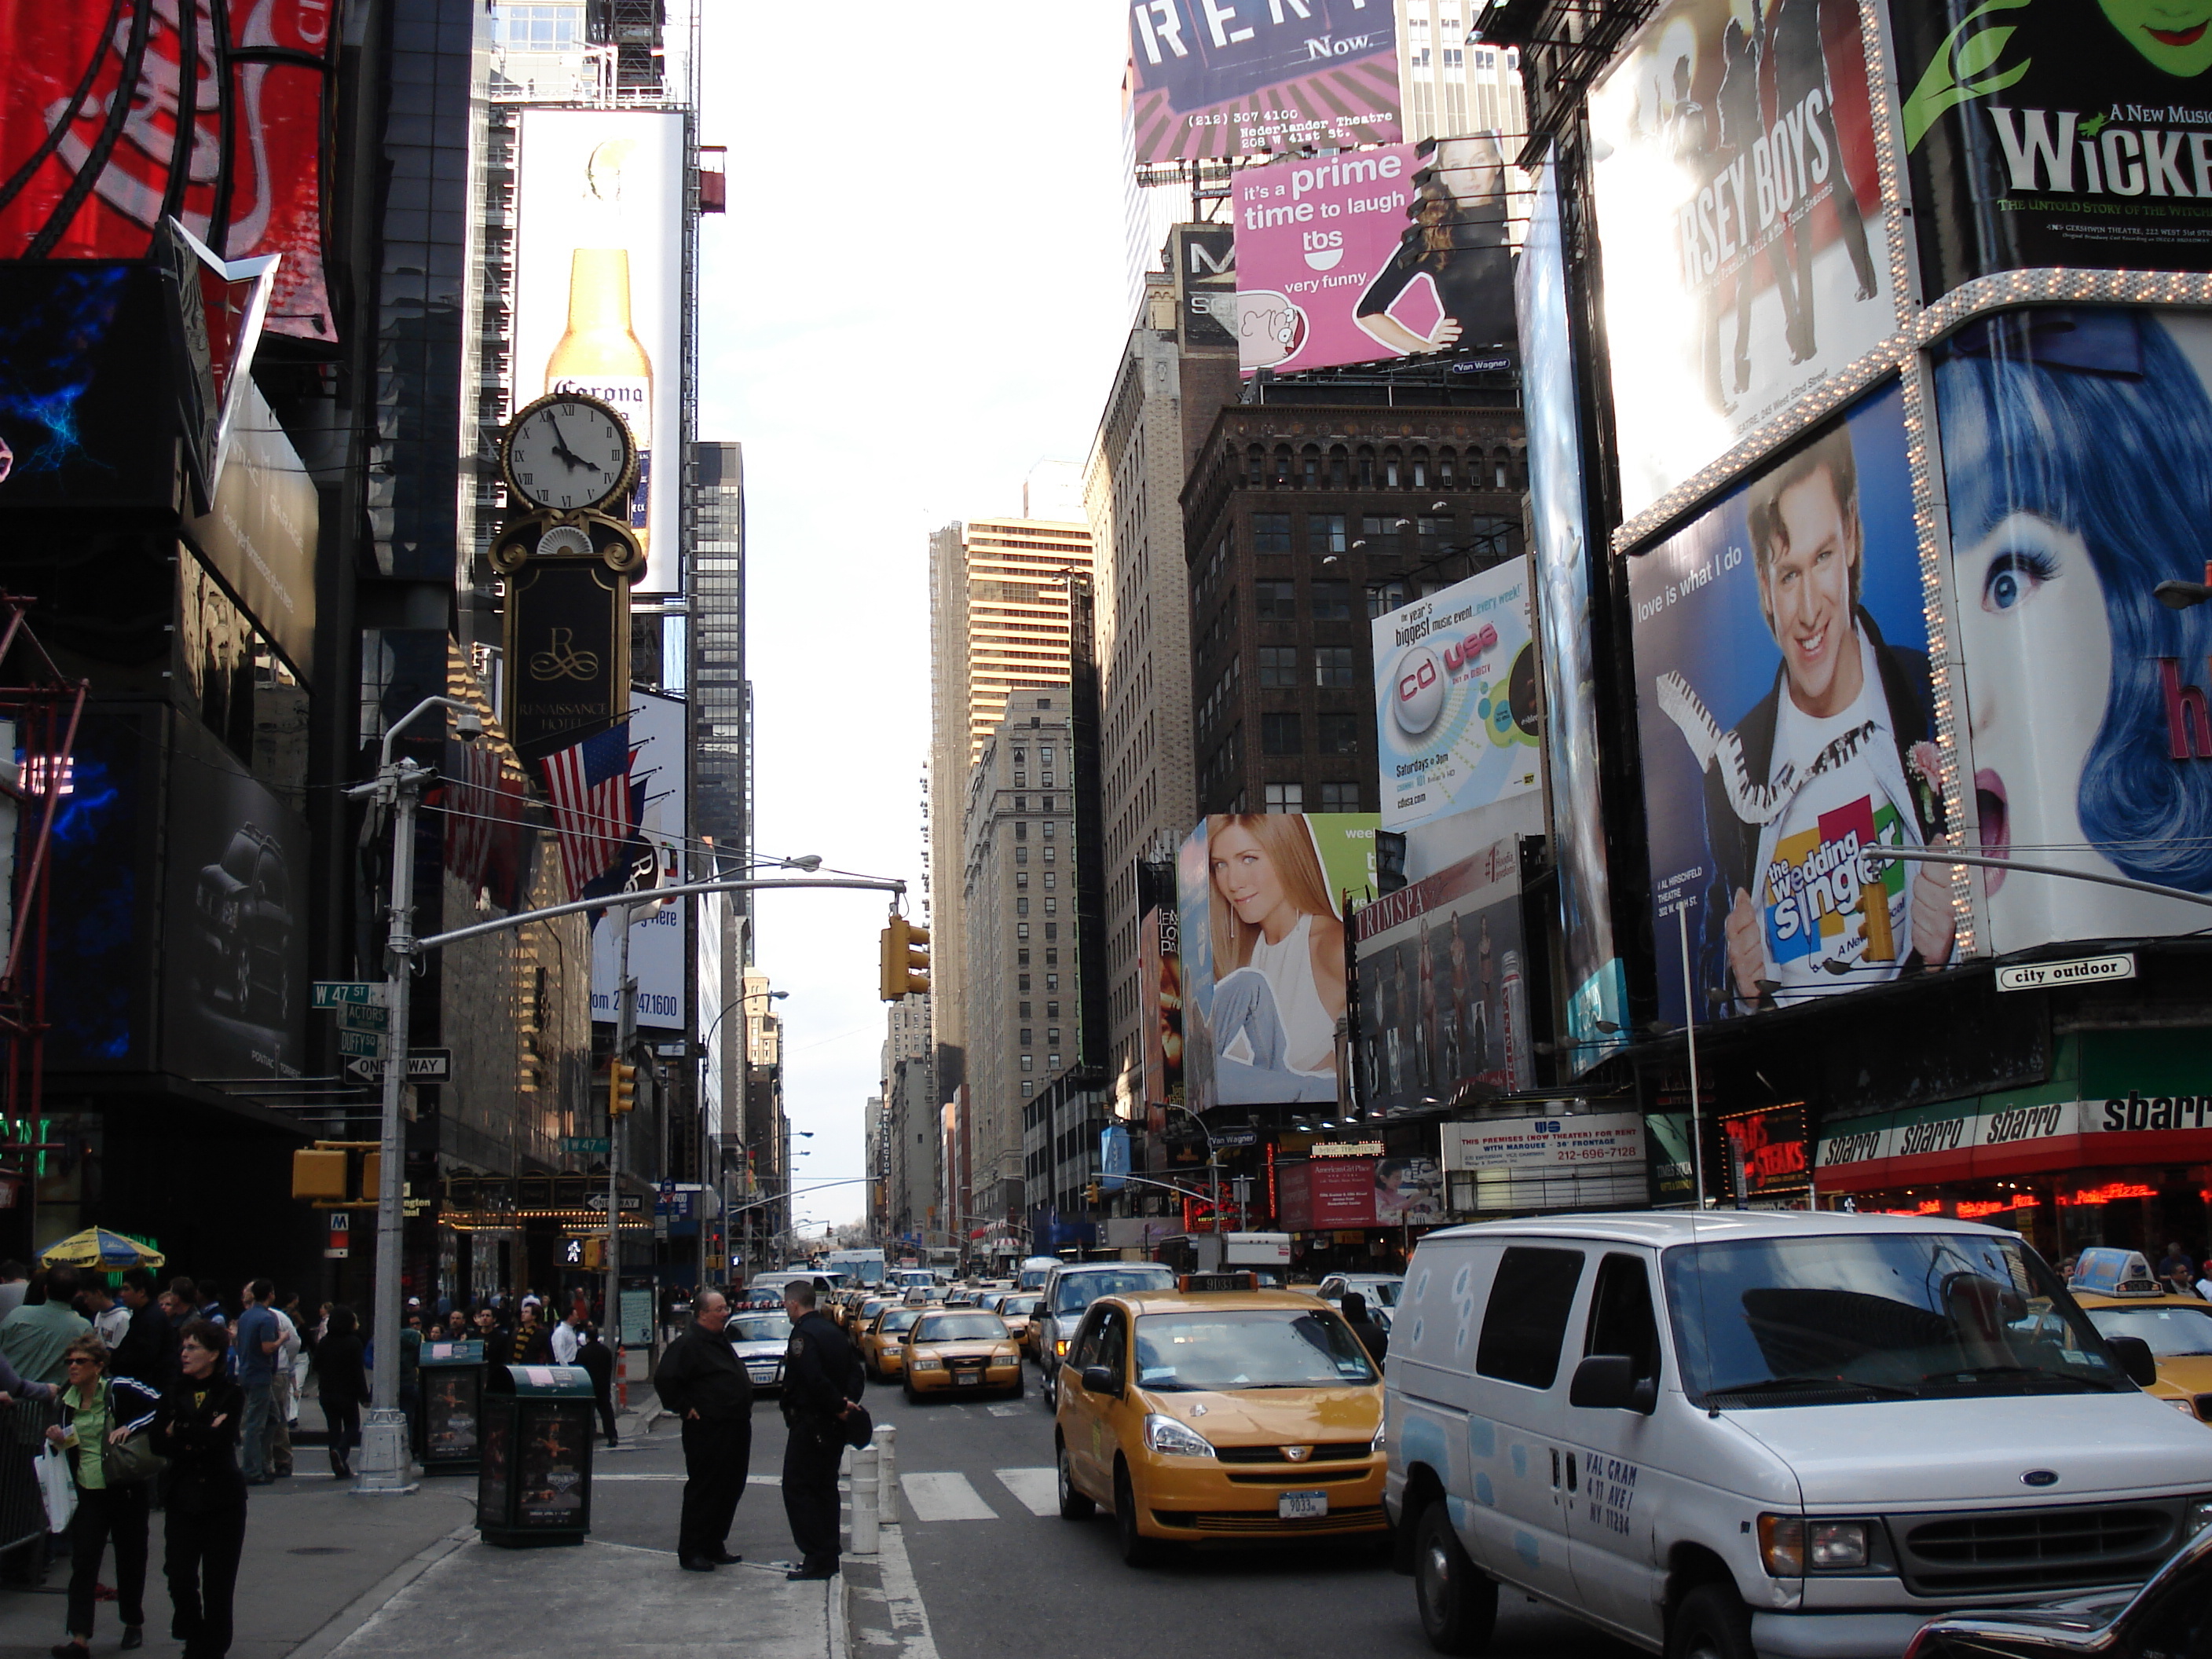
565 453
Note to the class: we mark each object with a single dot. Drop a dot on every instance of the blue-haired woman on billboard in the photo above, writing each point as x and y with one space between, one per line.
1279 986
2077 456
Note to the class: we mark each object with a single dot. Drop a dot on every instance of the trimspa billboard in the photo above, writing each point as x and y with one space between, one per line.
599 290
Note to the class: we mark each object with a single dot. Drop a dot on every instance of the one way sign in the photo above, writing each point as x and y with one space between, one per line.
424 1066
630 1202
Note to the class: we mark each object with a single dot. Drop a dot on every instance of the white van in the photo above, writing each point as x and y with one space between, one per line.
1783 1435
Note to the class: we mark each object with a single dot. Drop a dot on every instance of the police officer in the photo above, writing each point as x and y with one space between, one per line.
701 1381
820 1379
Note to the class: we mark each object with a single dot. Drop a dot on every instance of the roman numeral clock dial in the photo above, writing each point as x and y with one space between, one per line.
565 453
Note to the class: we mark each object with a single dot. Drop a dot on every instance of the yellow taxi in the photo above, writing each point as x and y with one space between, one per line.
961 1350
860 1311
1019 1312
1210 1414
883 1345
2117 1290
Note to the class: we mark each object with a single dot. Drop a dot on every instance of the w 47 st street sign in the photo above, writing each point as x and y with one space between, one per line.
338 992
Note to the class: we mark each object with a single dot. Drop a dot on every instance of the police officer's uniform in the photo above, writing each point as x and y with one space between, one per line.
820 1373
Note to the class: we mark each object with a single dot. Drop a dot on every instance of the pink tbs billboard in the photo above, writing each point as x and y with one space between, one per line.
1372 254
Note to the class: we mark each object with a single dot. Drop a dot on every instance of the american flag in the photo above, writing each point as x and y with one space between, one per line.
596 806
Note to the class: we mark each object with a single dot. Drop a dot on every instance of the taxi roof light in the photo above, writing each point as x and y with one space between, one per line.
1225 1281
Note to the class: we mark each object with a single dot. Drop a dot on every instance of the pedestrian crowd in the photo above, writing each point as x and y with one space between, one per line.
2180 1271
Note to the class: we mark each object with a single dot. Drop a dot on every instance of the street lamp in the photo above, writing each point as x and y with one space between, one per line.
384 1464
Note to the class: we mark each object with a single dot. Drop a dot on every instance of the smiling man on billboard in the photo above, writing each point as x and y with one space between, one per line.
1836 758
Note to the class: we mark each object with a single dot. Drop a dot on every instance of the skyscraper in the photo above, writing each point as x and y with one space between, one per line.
721 696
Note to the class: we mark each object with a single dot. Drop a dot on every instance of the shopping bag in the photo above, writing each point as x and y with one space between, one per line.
56 1488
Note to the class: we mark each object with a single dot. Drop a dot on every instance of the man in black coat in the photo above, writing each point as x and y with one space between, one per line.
147 1352
822 1378
598 1362
704 1383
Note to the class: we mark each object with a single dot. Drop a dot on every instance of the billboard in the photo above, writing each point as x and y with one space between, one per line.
1786 715
1159 991
1326 1192
101 964
599 305
2036 138
1205 265
1738 182
1263 952
259 534
657 945
1596 987
1444 1002
1456 698
83 413
234 946
1566 1161
1370 254
2076 451
104 132
1236 78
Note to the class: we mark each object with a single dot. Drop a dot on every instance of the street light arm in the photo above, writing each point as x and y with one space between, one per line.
1946 855
632 900
413 715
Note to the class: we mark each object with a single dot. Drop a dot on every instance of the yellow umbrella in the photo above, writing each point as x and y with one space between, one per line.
96 1247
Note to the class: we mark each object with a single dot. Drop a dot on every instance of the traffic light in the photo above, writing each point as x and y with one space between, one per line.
595 1255
1091 1194
905 964
622 1088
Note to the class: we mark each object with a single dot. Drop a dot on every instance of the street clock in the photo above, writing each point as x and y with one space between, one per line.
568 452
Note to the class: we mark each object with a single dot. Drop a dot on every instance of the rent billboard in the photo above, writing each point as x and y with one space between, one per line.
1376 254
109 122
1213 78
1738 181
1263 952
599 290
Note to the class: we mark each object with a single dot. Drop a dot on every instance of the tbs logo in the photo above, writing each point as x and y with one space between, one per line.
1324 249
1420 697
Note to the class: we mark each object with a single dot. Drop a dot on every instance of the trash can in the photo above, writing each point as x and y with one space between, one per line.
534 1450
452 1406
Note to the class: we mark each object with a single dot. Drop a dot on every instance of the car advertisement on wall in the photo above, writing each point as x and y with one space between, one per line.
656 937
1736 178
1238 78
1263 898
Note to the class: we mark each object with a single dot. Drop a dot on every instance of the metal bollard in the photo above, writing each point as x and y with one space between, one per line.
887 1495
865 1490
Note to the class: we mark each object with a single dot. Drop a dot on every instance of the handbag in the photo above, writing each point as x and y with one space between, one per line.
132 1462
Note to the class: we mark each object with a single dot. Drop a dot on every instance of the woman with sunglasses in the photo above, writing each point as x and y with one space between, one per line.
197 1429
99 1411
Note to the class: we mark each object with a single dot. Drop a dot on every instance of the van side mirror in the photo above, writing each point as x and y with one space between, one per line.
2136 1359
1607 1382
1099 1379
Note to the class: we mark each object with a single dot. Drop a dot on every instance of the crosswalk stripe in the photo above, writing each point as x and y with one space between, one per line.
945 1498
1038 1489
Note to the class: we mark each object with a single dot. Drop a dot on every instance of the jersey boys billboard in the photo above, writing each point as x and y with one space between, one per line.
1236 78
1738 182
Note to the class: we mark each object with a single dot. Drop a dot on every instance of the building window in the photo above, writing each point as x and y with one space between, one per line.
1279 666
1020 856
1052 982
1052 1037
1028 1088
1271 533
1021 907
1277 601
1386 596
1340 798
1022 957
1021 757
1332 666
1029 1062
1286 798
1325 533
1022 878
1373 526
1051 930
1047 836
1021 804
1024 982
1051 905
1023 1011
1029 1035
1052 1063
1339 734
1431 531
1051 960
1020 832
1332 601
1052 1011
1051 877
1021 929
1047 859
1279 735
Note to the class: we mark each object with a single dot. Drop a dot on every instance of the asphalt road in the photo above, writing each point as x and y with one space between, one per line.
1000 1573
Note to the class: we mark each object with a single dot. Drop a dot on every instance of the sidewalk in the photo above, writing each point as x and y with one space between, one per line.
326 1573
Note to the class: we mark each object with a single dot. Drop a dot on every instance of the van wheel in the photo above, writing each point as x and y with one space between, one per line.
1713 1623
1073 1505
1136 1550
1458 1601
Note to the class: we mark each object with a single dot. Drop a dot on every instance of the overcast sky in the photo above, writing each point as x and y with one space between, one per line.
916 294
